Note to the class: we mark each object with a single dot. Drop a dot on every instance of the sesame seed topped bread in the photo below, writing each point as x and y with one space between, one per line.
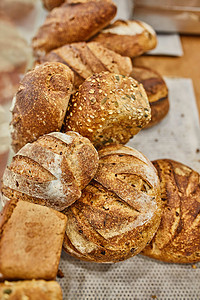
177 238
119 211
30 290
108 108
31 239
74 22
40 103
51 171
157 92
85 59
128 38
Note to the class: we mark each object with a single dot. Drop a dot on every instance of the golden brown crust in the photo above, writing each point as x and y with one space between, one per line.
157 92
40 104
31 241
71 23
31 290
119 211
128 38
177 239
108 108
52 171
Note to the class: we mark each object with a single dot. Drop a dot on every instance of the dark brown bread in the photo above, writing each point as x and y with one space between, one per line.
85 59
71 23
52 171
40 104
108 108
128 38
177 239
157 92
119 211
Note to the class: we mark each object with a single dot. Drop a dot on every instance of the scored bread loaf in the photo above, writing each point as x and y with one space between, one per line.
119 211
85 59
40 103
177 238
157 92
128 38
108 108
71 23
51 171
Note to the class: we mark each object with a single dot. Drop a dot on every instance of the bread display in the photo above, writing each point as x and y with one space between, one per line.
177 238
108 108
71 23
85 59
40 103
157 92
30 290
119 211
31 239
128 38
51 171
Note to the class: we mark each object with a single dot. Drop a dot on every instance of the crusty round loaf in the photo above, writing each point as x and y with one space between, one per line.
40 104
71 23
108 108
119 211
128 38
85 59
177 239
157 92
51 171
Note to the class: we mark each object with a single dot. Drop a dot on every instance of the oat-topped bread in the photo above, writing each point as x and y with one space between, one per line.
119 211
51 171
40 103
177 239
71 23
129 38
108 108
30 290
156 90
31 239
85 59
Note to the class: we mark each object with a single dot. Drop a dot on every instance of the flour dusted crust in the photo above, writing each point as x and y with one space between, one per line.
119 211
52 171
108 108
177 239
128 38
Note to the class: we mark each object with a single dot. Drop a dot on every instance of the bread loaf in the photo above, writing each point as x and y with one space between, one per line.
119 211
71 23
177 239
40 103
17 9
156 90
50 4
85 59
128 38
108 108
52 171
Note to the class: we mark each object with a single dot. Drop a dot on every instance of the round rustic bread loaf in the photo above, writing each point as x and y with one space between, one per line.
157 92
108 108
40 103
178 237
119 211
51 171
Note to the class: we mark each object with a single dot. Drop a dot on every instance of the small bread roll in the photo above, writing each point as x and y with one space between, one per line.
40 103
69 23
157 92
177 239
52 171
108 108
85 59
128 38
119 211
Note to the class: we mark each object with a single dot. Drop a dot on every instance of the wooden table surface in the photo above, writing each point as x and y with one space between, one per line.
187 66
